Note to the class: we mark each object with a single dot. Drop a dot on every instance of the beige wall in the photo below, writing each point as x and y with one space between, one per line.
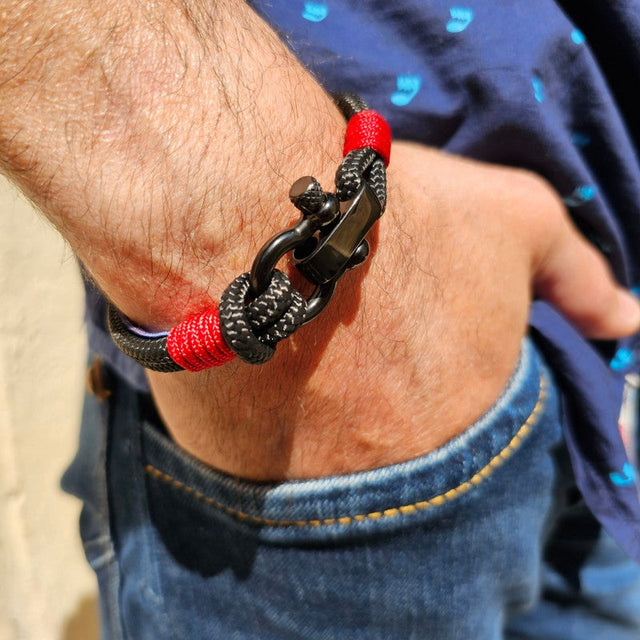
46 589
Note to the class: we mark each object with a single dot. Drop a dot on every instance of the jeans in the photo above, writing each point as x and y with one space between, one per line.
484 538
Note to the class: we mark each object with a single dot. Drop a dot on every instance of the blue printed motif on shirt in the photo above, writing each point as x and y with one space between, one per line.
622 359
460 19
580 195
315 11
625 477
407 89
538 89
577 36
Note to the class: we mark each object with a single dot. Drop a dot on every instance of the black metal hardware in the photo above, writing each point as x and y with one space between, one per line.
328 240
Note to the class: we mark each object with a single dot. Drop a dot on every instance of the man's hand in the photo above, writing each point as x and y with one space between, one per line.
410 353
162 137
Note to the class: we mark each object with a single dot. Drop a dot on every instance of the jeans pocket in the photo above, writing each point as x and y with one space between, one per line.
441 546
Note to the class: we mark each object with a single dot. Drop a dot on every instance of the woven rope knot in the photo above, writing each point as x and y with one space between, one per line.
253 325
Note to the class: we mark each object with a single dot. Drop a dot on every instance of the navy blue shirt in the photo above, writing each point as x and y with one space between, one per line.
550 87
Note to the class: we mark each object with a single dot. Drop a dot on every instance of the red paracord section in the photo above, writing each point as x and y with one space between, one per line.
369 129
197 343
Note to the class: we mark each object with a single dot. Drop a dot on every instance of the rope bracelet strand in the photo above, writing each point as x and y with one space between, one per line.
260 308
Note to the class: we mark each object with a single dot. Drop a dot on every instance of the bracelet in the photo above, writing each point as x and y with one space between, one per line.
261 307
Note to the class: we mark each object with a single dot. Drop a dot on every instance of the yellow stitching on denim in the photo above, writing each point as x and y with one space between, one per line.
407 509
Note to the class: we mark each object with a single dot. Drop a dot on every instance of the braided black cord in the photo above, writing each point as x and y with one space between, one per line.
349 104
359 164
151 353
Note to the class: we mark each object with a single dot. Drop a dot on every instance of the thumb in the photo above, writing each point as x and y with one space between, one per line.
575 278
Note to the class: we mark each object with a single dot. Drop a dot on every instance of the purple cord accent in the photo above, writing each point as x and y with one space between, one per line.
139 331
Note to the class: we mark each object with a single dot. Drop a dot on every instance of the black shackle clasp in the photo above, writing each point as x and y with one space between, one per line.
328 240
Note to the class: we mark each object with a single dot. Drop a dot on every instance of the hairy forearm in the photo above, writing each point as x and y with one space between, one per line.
139 127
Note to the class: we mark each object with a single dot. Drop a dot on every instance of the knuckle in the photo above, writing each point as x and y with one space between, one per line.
538 206
602 304
536 189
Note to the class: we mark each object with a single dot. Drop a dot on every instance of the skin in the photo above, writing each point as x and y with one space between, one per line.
161 139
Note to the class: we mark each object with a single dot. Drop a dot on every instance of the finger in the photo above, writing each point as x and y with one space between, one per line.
573 276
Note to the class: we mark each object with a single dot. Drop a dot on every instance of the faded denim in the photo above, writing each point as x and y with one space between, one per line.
484 538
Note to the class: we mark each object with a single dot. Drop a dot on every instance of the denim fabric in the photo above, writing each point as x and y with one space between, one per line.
475 540
86 478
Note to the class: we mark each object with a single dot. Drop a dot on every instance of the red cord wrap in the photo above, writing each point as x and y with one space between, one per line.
197 343
368 129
